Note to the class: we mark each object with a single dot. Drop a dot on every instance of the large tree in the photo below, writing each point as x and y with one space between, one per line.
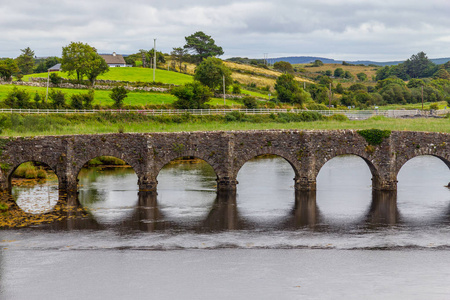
211 72
81 59
202 46
288 90
25 61
8 67
419 66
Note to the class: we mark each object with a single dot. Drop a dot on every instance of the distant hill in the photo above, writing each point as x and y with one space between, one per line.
311 59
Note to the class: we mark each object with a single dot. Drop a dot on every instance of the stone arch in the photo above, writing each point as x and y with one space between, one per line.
260 152
13 168
217 167
374 169
104 152
402 161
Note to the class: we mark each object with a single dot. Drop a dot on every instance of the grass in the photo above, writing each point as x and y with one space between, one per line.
102 96
133 75
110 123
29 170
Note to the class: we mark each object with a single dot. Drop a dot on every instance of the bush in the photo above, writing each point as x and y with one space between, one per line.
76 101
374 136
236 89
191 95
58 98
250 102
118 94
338 117
55 79
18 98
434 106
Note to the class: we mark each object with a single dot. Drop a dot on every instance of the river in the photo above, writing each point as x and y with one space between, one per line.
266 241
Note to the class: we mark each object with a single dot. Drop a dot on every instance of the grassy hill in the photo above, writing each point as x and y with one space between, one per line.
134 75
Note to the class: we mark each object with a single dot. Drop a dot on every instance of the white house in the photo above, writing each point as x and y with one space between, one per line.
114 60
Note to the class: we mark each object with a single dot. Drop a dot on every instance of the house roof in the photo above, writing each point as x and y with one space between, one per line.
113 58
56 67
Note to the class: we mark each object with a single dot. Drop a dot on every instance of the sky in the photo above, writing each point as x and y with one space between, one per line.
379 30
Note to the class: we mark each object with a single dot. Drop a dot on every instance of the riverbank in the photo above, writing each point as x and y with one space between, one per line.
61 124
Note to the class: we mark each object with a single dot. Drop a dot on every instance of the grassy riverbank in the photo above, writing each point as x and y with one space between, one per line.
60 124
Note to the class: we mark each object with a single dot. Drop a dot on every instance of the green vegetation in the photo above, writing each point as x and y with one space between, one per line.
30 170
132 75
373 136
83 61
191 95
58 124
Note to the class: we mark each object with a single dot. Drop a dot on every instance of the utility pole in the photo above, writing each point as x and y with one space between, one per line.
223 77
422 97
329 98
154 59
48 79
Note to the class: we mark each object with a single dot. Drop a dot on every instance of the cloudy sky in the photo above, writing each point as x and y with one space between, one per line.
341 29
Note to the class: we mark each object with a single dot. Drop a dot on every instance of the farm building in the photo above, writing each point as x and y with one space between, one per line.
114 60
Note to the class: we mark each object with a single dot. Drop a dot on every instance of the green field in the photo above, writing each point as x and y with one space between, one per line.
133 75
32 125
102 96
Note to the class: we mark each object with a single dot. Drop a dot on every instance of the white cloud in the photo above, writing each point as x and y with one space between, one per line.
341 29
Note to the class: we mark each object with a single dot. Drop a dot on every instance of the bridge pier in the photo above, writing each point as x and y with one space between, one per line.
380 184
67 184
147 183
226 183
304 184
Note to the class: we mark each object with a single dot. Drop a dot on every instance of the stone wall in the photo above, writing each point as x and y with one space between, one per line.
226 152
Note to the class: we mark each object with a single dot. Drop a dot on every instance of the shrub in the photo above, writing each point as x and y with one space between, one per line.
338 117
58 98
76 101
118 94
374 136
236 89
434 106
18 98
250 102
191 95
55 79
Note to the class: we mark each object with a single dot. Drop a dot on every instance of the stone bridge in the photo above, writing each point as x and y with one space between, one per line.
226 152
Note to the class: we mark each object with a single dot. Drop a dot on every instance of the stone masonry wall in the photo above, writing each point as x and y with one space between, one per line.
226 152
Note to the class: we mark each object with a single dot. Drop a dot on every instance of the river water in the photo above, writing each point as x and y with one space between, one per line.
266 241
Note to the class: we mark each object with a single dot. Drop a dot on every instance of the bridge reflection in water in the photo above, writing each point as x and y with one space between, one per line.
147 216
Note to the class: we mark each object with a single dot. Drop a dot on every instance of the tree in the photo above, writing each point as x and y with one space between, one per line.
46 64
96 66
8 67
362 76
339 72
283 66
82 60
288 90
191 95
25 61
202 46
419 65
178 55
442 74
211 72
317 63
118 94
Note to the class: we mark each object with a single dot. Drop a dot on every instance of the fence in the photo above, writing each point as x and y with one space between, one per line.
351 114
